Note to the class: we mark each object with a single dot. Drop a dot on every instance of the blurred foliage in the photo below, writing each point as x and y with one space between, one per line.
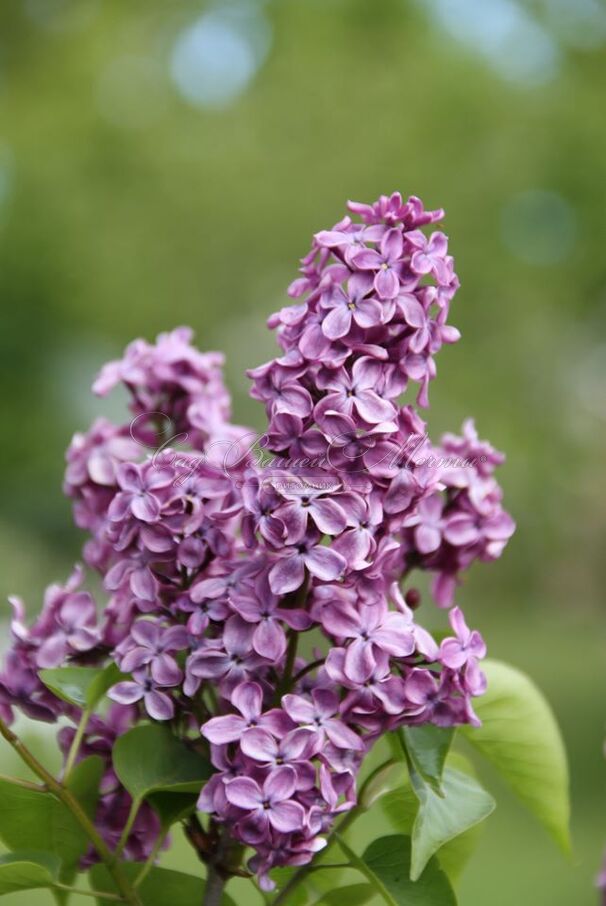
125 209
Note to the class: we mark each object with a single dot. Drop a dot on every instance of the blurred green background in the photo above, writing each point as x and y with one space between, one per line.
166 162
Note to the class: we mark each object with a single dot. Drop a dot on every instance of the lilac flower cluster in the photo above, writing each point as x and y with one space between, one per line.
218 569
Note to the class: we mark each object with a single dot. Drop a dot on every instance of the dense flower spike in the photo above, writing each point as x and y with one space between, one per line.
217 557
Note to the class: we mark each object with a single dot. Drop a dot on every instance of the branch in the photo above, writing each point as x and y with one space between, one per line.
64 795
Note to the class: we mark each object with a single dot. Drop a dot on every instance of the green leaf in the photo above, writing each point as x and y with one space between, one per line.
27 870
386 778
401 806
80 686
386 865
84 782
520 737
427 747
172 807
161 887
149 758
462 804
32 820
353 895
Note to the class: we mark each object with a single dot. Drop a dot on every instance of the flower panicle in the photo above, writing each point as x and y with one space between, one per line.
214 571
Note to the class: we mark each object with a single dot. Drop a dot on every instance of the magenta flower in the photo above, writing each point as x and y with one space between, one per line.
294 749
288 573
247 698
350 305
150 645
136 497
230 659
429 255
372 627
144 688
364 518
280 387
261 501
258 606
355 393
307 503
428 524
387 263
74 632
217 550
318 715
267 806
454 653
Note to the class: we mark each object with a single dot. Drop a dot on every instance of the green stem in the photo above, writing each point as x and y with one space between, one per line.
97 894
26 784
307 669
329 865
213 890
359 864
132 817
76 743
64 795
150 859
291 656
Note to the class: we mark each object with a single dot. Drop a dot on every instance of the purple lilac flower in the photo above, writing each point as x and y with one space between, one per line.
151 645
143 687
247 699
212 560
268 805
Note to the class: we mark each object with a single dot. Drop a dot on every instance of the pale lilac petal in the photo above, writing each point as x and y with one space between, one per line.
286 817
328 516
323 563
129 477
287 574
392 244
337 322
367 260
126 693
248 699
372 408
452 654
296 743
387 284
342 737
298 708
52 652
368 314
259 745
280 784
428 538
326 702
146 632
146 508
460 530
165 671
158 705
359 661
221 730
269 640
244 793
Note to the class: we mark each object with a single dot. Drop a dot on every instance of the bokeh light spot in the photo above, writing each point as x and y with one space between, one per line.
215 59
512 43
579 23
539 227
